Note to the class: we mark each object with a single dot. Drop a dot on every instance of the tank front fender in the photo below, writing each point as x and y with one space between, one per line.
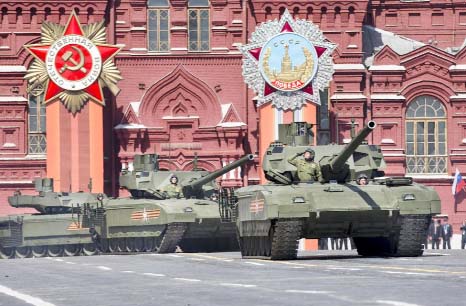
293 211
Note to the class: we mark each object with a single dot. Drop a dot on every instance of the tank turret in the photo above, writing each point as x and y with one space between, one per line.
50 202
337 162
146 181
335 167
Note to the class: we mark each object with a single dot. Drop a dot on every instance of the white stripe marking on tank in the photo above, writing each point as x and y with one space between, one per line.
174 255
127 272
104 268
309 291
297 267
24 297
187 279
58 259
154 274
254 263
238 285
197 259
395 303
70 263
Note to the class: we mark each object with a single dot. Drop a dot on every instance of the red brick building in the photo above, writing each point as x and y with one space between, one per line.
401 63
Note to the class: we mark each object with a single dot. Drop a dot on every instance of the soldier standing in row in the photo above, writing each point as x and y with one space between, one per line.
463 234
435 232
308 170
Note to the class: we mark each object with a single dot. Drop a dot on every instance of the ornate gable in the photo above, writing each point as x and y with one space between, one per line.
180 95
230 115
131 114
386 56
428 60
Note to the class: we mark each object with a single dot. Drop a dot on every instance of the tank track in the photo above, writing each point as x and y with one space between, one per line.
172 237
281 244
406 243
413 234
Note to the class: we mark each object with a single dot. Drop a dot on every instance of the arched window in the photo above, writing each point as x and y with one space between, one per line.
198 25
426 136
158 26
36 121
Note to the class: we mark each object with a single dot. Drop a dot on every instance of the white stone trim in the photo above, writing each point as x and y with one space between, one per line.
460 67
223 28
16 182
12 68
349 67
12 99
138 29
387 68
178 28
138 49
460 96
129 126
231 124
348 96
387 97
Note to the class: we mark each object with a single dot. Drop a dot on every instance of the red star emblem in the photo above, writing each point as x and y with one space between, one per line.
73 62
257 51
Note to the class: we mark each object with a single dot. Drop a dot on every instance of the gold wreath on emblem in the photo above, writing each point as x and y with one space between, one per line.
288 72
37 75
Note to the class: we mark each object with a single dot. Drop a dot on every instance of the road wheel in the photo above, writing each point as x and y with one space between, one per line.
72 249
90 249
39 251
55 250
113 245
6 253
121 244
139 244
130 245
22 252
149 244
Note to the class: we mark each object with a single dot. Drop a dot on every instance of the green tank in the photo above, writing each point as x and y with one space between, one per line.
153 221
389 216
55 230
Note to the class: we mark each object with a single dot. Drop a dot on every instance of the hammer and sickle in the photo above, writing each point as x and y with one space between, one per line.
67 57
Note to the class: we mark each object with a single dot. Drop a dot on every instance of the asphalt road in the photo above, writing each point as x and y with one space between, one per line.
317 278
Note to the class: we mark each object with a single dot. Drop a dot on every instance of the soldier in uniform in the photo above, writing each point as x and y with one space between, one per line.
308 170
173 190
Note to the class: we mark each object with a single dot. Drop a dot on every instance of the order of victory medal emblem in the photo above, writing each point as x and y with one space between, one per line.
73 62
287 62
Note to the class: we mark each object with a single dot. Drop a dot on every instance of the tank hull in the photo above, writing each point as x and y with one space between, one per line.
374 211
192 224
54 235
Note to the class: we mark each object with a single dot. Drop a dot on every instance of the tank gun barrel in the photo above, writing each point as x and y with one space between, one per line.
339 161
212 176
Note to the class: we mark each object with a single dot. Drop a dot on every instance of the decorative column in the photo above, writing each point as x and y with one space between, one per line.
73 63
